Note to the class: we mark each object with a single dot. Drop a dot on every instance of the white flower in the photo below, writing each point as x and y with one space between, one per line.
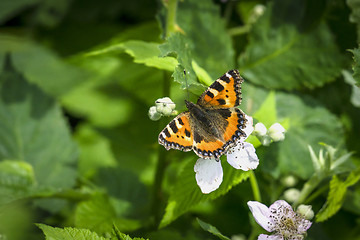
209 173
280 219
153 114
165 106
260 129
277 132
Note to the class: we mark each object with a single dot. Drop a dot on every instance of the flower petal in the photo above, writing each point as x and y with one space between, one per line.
249 128
209 174
271 237
242 156
261 214
280 204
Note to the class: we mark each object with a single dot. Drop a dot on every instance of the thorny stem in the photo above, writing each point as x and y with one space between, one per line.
255 187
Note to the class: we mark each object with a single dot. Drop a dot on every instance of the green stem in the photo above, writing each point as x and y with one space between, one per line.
255 187
308 187
157 195
239 30
171 17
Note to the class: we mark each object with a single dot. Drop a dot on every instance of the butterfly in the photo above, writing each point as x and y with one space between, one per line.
212 125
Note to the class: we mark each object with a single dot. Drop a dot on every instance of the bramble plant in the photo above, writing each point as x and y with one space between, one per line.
85 90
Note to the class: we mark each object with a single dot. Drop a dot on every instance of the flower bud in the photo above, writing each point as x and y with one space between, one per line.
260 129
289 181
292 195
154 114
306 211
277 132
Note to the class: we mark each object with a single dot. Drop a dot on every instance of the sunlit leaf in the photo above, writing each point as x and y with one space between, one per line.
68 233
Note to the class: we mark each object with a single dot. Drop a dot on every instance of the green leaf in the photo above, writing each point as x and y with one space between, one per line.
16 180
122 236
99 215
211 229
184 73
336 195
95 150
267 112
211 45
143 52
68 233
355 90
185 194
282 55
33 129
40 65
356 65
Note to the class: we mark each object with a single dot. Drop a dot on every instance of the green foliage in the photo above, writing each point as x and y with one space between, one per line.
68 233
77 147
336 195
211 229
186 194
356 65
307 57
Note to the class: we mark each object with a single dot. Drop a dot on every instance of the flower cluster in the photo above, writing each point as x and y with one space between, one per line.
163 107
275 133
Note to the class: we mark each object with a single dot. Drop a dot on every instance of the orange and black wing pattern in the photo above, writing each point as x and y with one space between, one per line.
225 92
177 134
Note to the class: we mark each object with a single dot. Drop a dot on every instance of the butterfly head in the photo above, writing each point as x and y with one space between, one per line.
189 105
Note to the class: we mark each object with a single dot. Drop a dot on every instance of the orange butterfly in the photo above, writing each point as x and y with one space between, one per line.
213 124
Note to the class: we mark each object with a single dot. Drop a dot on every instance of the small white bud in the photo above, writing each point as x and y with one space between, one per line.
164 102
306 211
292 195
154 114
277 132
238 237
260 129
167 111
289 181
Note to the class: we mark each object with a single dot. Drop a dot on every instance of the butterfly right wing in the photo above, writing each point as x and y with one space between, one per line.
225 92
177 134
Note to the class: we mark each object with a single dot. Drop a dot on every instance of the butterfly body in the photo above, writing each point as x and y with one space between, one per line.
213 124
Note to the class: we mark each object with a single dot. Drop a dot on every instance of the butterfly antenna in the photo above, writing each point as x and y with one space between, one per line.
186 84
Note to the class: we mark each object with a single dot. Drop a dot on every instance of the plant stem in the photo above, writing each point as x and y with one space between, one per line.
171 17
308 187
157 195
255 187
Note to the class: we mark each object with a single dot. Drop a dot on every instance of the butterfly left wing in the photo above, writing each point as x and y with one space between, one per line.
177 134
225 92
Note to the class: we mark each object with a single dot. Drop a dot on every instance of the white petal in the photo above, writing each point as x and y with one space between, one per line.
249 128
280 203
260 129
271 237
261 214
243 156
209 174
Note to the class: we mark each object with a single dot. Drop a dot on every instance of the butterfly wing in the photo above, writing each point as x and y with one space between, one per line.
229 124
177 134
225 92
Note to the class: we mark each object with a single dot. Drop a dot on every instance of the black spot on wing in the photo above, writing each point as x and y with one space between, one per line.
225 78
173 127
217 86
210 94
180 121
187 133
166 131
221 101
225 113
